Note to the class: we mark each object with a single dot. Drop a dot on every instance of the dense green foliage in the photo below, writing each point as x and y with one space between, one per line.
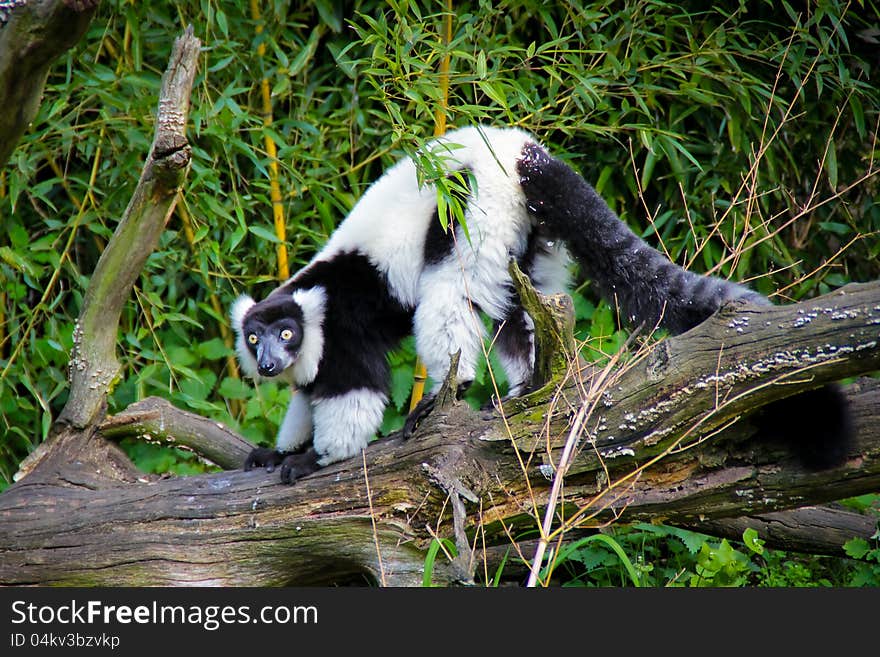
736 137
667 556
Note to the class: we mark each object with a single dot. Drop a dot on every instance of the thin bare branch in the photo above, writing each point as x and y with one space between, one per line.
158 421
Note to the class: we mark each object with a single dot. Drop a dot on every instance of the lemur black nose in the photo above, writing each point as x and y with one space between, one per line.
267 369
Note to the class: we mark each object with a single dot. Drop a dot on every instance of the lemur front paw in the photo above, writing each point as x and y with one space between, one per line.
295 466
264 457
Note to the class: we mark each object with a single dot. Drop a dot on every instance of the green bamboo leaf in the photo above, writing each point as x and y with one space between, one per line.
858 112
831 164
264 234
495 91
481 64
306 53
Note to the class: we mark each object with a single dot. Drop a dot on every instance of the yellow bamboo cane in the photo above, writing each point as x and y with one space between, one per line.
271 151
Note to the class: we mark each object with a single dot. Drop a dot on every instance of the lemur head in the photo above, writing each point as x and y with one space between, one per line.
269 333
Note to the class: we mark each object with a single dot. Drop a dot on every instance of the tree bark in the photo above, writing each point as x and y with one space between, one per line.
813 529
36 35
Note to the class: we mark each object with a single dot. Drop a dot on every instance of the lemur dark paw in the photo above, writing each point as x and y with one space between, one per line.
419 413
263 457
295 466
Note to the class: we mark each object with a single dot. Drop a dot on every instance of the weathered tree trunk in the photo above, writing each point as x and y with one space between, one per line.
663 436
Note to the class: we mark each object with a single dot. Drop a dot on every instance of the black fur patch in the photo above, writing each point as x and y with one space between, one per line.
515 335
816 425
514 339
534 246
274 307
362 322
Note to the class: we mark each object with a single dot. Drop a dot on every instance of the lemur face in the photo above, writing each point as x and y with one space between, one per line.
272 331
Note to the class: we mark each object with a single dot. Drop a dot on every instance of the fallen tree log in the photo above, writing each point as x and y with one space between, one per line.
813 529
375 518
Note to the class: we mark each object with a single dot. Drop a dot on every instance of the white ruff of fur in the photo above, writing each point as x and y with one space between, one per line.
236 313
296 429
313 303
345 424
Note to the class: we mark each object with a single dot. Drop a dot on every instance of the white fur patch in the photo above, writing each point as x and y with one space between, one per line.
239 309
237 312
550 271
346 423
296 429
444 323
313 302
390 221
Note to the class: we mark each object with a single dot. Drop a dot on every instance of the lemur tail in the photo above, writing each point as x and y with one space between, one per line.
642 283
650 291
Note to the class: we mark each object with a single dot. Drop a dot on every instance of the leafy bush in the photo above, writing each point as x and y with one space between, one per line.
657 555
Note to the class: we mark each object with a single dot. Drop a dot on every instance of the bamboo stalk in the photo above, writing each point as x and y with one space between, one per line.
272 152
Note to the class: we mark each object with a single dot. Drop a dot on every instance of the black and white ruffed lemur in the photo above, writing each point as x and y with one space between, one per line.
390 269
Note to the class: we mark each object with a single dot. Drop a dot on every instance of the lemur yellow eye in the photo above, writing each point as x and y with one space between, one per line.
286 334
253 339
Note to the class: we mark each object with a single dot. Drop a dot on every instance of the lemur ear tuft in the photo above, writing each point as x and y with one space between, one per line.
239 309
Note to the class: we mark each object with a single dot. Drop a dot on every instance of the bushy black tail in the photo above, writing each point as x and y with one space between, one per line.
651 291
640 281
